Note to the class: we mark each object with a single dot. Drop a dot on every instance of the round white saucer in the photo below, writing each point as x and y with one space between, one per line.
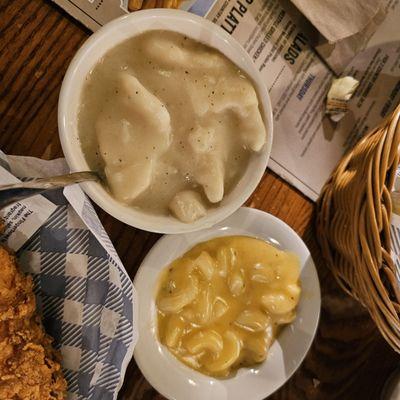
176 381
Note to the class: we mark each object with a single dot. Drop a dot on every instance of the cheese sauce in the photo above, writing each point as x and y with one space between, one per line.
221 304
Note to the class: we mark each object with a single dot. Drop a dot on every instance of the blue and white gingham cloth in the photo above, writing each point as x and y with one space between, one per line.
85 296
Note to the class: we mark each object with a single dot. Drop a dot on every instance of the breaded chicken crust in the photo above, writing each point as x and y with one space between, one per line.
29 366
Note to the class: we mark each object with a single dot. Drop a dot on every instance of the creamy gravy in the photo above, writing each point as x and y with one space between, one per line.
171 122
221 304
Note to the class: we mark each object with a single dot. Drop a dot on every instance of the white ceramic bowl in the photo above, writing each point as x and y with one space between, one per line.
176 381
108 37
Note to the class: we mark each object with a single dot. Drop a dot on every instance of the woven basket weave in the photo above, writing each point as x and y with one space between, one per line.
353 225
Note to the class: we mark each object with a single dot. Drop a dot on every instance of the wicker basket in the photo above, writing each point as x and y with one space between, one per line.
353 225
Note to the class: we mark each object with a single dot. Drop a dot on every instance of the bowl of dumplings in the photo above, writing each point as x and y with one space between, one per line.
173 115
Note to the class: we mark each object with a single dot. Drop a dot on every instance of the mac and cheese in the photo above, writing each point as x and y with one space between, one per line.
220 305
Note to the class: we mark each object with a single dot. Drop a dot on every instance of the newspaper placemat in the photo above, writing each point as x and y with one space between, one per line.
22 219
95 13
83 291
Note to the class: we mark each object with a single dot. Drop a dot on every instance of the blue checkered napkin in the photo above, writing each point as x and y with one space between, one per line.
86 299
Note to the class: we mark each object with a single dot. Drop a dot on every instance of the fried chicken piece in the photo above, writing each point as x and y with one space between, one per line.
29 367
17 299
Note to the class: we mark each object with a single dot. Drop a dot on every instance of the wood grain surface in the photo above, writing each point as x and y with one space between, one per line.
348 359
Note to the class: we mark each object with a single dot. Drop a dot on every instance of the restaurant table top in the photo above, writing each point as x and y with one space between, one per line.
348 359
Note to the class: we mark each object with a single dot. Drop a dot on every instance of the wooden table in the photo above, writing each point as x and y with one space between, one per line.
348 360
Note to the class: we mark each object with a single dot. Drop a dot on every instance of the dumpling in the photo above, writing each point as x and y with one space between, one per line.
187 206
200 92
234 93
210 174
128 150
202 139
252 130
231 94
128 182
169 55
144 108
241 97
165 52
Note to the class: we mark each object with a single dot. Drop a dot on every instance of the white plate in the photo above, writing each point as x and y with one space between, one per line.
176 381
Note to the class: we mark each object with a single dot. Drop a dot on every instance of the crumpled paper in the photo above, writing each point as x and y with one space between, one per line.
338 19
339 94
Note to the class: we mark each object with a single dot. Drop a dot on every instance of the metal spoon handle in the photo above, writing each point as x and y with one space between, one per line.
15 192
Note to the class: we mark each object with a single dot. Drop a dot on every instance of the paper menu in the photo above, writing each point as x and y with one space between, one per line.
307 145
93 13
298 82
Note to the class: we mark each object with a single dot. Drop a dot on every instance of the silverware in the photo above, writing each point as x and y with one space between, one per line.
15 192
